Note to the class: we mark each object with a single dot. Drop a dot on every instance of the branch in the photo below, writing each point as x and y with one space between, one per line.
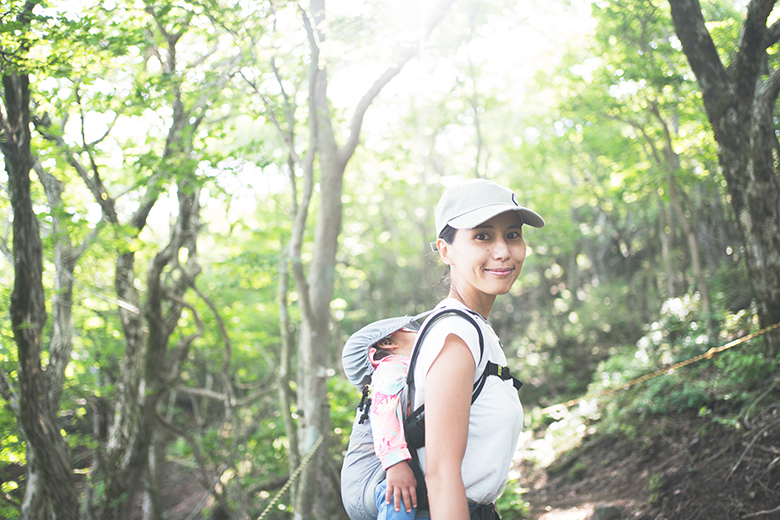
93 183
193 445
772 35
208 90
769 90
300 216
229 398
672 161
285 135
175 288
7 392
89 146
760 513
171 38
653 151
747 64
288 136
113 300
182 348
220 323
267 485
701 52
289 106
225 397
11 501
200 60
79 250
755 438
405 56
201 392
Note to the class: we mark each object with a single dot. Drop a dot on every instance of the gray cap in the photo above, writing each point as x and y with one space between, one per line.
468 204
354 357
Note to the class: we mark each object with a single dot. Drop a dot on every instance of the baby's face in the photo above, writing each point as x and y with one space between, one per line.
402 341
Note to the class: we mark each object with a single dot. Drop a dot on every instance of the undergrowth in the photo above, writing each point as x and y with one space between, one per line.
724 387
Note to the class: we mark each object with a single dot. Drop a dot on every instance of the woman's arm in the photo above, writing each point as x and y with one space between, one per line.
448 385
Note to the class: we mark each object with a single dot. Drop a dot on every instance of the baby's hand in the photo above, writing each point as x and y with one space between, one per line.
401 484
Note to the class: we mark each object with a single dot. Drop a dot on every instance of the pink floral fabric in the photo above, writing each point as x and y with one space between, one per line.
387 417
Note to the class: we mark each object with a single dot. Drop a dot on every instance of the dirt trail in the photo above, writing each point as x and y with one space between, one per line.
686 467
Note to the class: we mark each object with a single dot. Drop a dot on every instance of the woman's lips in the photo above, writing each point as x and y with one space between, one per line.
500 271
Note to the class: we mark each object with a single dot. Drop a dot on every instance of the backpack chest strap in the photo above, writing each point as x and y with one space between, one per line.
492 369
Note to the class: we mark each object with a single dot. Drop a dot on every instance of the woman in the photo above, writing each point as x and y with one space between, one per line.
469 447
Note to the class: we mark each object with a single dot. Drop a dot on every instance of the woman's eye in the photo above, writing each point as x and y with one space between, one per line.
514 235
482 236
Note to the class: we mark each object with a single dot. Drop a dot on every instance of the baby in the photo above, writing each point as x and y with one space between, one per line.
390 358
377 476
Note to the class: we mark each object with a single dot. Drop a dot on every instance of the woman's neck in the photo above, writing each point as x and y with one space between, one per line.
481 304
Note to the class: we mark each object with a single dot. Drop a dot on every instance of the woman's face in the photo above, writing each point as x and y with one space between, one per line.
488 258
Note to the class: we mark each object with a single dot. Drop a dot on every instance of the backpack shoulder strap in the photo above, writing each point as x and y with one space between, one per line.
424 331
414 424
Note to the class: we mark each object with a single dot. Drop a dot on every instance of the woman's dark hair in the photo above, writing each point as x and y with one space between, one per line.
448 235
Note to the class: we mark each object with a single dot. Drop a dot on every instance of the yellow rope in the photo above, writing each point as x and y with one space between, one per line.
292 477
711 352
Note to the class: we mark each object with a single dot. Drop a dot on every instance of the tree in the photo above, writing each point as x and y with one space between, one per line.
740 100
50 492
156 347
644 88
315 288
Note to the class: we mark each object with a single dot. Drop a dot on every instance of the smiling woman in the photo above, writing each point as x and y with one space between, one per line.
469 443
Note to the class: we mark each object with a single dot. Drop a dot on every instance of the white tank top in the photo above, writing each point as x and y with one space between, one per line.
496 417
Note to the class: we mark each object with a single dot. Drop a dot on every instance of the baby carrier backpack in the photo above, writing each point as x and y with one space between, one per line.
362 470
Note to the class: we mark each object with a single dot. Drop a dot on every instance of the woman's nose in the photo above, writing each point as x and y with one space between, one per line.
500 249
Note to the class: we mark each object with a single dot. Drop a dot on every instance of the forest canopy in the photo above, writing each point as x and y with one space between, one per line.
201 200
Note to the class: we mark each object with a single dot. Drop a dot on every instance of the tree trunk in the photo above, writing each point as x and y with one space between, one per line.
155 481
50 492
693 244
316 289
740 104
670 165
150 366
125 450
150 372
65 258
285 356
666 242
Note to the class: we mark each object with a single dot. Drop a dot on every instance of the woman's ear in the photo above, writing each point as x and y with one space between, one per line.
444 250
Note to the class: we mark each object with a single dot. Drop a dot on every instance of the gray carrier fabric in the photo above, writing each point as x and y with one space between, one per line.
354 357
361 473
362 469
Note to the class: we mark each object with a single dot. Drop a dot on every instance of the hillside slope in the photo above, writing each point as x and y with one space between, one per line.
680 466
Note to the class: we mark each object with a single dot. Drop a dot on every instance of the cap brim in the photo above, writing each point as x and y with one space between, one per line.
354 356
474 218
